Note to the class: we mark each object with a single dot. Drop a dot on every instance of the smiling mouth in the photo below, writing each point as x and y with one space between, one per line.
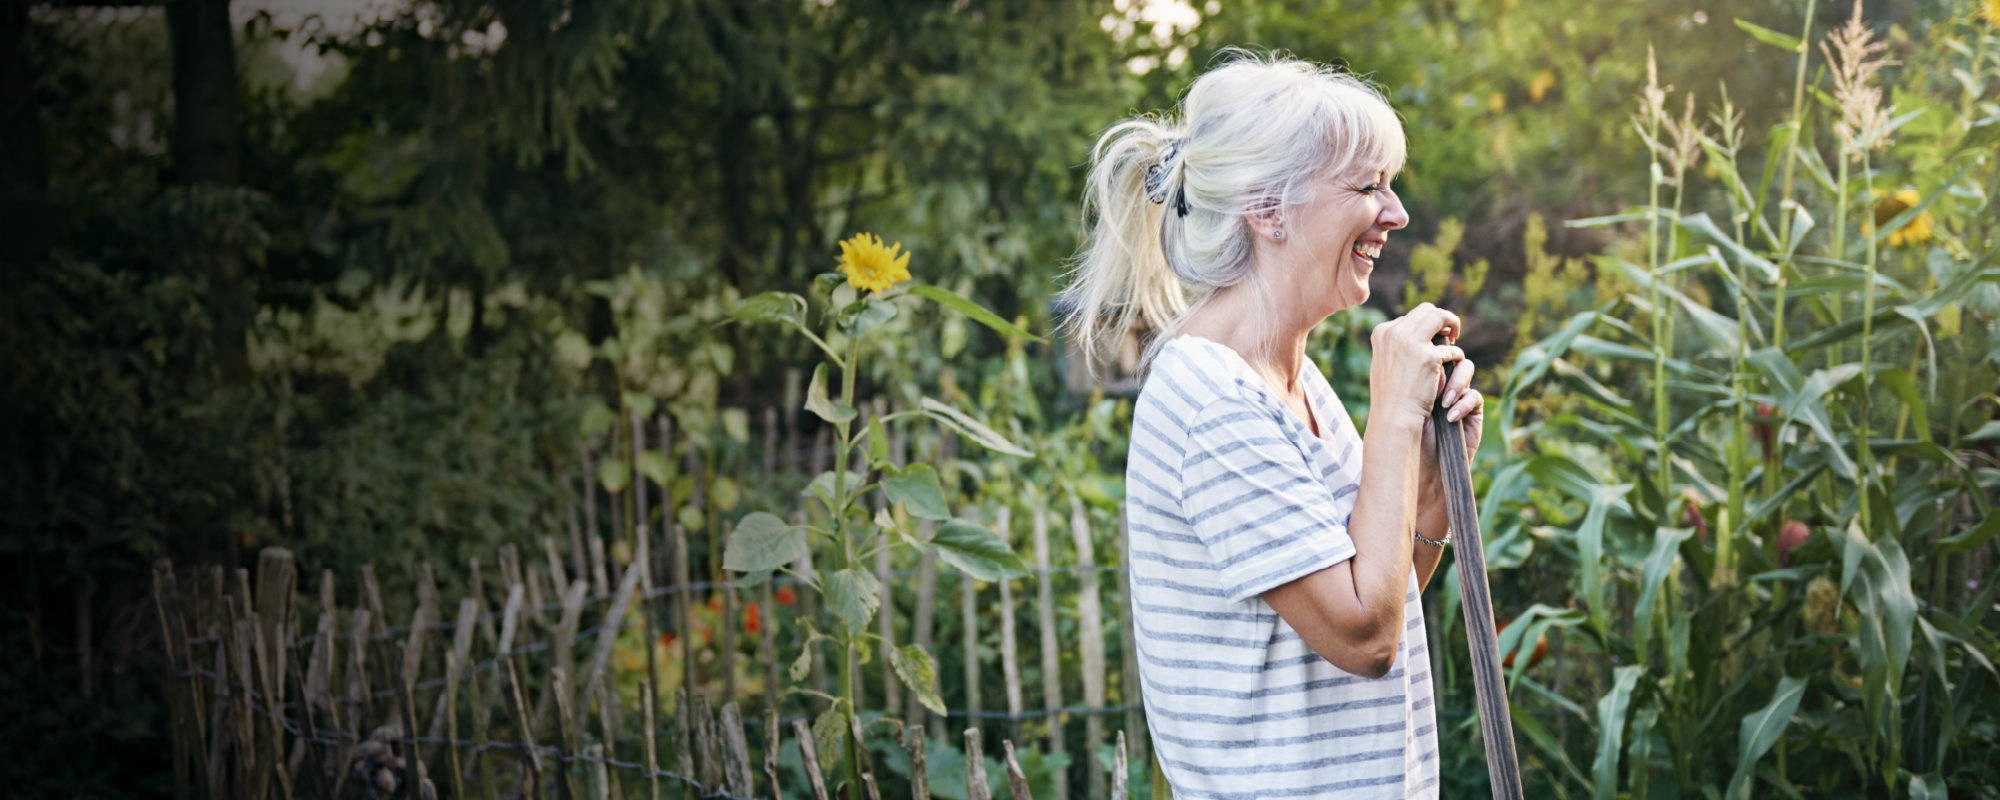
1368 251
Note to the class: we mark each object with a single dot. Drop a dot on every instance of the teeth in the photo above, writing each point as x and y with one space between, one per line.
1369 251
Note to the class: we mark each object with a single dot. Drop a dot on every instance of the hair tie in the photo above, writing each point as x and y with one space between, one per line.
1156 178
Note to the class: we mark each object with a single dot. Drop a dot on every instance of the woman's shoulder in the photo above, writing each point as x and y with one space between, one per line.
1198 374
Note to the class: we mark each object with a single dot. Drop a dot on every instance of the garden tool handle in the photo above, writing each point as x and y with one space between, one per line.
1487 683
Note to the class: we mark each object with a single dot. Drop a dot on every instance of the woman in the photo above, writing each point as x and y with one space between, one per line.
1277 555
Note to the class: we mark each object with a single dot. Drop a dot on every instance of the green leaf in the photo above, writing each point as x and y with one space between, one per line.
1881 591
653 464
1760 730
971 428
818 403
1666 547
1701 225
830 740
596 418
724 494
854 594
917 671
763 541
1590 552
638 404
872 312
916 487
878 441
779 307
1771 37
974 310
1969 538
614 474
1611 731
736 423
801 666
977 552
1928 787
1905 389
822 487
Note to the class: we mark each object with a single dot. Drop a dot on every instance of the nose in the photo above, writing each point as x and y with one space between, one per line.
1393 214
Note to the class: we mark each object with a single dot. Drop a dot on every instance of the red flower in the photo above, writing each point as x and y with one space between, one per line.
753 619
785 596
666 639
715 603
1790 536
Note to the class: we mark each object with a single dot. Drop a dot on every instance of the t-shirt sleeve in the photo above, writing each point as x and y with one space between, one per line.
1252 498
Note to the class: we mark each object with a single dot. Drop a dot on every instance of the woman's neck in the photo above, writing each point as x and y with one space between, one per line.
1273 347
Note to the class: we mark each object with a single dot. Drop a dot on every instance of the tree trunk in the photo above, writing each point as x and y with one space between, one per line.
207 146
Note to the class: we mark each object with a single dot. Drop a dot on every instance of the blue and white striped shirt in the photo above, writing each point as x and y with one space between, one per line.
1230 495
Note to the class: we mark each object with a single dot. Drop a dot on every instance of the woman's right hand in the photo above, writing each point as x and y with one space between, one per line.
1407 370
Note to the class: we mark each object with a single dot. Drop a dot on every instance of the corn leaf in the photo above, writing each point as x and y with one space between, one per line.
1760 730
1611 731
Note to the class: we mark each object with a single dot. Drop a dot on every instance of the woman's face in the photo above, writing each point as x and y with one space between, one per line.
1337 236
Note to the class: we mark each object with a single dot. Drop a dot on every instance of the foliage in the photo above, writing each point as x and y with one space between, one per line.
1854 659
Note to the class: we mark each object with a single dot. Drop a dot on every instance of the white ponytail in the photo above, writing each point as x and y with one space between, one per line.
1252 136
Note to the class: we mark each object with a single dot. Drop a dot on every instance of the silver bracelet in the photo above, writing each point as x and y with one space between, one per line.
1434 542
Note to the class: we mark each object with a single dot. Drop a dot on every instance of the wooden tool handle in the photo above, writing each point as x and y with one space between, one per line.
1477 597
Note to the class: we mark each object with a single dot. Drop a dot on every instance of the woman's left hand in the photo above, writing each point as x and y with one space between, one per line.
1465 404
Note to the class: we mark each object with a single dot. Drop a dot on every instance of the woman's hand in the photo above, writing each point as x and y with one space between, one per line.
1406 371
1464 404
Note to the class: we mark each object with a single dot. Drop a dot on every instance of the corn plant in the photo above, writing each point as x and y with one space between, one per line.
857 300
1803 622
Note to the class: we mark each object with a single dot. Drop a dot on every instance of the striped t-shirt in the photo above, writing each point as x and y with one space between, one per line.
1230 495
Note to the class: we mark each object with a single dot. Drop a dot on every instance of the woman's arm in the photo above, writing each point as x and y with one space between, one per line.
1352 612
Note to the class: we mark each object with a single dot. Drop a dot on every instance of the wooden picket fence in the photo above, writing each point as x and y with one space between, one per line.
259 710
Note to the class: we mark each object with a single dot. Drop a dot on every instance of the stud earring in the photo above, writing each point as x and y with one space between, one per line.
1278 235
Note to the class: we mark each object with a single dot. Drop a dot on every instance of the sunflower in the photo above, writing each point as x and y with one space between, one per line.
1991 11
871 267
1889 204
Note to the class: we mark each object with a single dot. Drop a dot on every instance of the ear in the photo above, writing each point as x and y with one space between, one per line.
1265 221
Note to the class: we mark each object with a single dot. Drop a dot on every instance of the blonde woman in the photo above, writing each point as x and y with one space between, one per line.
1277 553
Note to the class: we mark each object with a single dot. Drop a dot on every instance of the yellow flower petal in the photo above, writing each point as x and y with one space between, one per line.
871 267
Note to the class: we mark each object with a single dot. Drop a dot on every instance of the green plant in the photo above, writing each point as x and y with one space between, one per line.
763 543
1845 660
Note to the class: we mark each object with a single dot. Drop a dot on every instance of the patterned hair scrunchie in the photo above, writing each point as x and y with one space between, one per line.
1156 179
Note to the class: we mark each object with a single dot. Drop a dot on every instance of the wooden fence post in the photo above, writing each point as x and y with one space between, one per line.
920 780
1017 782
1090 624
1120 771
809 755
976 787
735 754
1010 665
1045 610
1129 650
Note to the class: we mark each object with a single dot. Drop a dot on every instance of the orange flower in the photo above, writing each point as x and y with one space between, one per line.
785 596
715 603
666 639
753 619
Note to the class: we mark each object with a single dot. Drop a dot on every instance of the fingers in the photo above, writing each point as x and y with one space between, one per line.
1459 381
1469 403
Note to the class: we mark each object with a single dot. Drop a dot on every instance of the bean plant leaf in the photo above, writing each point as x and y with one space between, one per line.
1611 731
854 594
917 671
977 551
614 474
878 441
830 739
802 666
971 428
916 487
763 541
1760 730
653 464
818 403
951 300
1771 37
